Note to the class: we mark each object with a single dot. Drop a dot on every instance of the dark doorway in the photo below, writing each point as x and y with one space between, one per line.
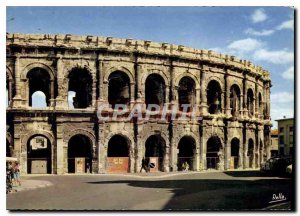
39 83
235 100
214 95
79 146
155 147
80 82
212 153
235 148
39 155
250 153
117 147
186 93
8 149
118 88
186 149
155 90
250 102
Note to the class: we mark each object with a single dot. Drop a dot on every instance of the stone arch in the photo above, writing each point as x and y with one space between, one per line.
187 147
235 149
187 134
214 153
31 66
79 66
214 97
158 72
214 78
190 75
49 136
235 100
79 131
122 69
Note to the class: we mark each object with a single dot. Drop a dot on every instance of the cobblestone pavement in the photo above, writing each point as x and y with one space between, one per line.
233 190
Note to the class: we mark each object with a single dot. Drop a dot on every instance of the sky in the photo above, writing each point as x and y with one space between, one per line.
263 35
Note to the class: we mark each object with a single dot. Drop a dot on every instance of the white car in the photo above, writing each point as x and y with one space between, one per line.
289 169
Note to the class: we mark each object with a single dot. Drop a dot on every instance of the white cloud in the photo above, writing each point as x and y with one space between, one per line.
264 32
282 97
275 57
289 73
289 24
245 45
259 16
279 112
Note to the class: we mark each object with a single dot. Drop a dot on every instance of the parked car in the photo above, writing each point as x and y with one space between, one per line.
276 165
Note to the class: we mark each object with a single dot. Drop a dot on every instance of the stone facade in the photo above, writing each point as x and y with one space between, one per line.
231 96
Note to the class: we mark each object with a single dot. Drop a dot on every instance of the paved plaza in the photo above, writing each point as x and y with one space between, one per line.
241 190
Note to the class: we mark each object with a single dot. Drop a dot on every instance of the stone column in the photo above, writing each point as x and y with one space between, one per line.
197 100
17 100
60 156
100 80
101 150
132 85
62 84
167 159
223 101
246 114
173 156
227 94
203 93
227 155
241 106
10 93
94 88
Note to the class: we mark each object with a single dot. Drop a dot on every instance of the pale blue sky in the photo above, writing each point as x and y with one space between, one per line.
264 35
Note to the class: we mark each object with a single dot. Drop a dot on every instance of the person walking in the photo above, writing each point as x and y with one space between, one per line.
17 173
144 165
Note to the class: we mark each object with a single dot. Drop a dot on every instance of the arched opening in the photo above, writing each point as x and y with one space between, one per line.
39 155
80 82
155 148
39 87
38 99
186 93
117 147
118 88
118 154
250 152
235 148
260 105
213 152
8 149
186 152
214 95
235 100
79 154
155 90
250 102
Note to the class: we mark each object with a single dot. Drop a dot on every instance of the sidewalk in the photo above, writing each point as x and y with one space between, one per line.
27 184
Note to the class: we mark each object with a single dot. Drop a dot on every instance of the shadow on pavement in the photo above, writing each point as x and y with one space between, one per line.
254 174
213 195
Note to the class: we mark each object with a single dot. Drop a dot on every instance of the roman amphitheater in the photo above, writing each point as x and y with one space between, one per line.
56 83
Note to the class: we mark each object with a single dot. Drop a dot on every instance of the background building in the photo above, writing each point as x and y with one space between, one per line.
286 136
76 74
274 143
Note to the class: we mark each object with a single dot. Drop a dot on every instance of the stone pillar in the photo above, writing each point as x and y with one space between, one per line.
167 158
62 84
10 93
52 97
227 95
203 93
241 154
18 100
173 156
94 88
101 150
197 158
60 155
139 85
246 114
241 106
132 85
197 100
227 155
245 157
100 80
203 150
223 101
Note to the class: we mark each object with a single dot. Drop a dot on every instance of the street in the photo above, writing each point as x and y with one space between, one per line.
240 190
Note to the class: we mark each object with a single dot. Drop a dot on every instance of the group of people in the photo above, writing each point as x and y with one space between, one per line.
12 175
